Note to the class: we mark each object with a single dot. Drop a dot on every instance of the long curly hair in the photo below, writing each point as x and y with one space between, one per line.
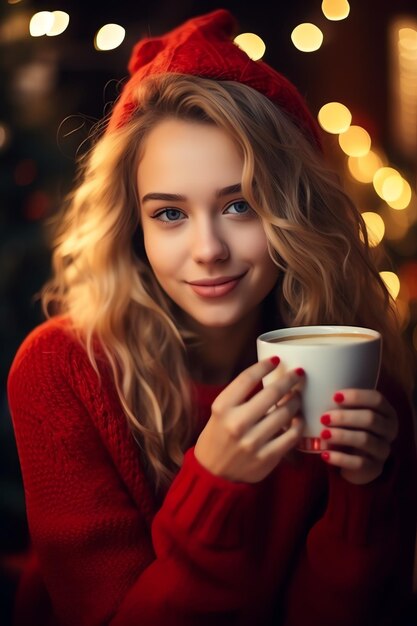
103 282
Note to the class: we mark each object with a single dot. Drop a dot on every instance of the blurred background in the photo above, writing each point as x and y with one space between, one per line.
60 70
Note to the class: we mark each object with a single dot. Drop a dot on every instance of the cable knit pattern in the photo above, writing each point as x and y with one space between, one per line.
301 547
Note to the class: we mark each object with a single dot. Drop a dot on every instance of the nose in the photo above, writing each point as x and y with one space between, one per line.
208 242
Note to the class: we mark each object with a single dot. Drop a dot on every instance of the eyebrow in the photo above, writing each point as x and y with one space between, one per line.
175 197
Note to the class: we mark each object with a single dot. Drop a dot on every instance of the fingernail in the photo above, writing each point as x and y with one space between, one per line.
338 397
325 456
275 360
325 419
325 434
299 371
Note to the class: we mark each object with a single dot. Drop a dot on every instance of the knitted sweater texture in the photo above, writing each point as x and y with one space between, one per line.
301 547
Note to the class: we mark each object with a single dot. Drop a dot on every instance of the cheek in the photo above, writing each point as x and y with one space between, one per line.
164 253
254 244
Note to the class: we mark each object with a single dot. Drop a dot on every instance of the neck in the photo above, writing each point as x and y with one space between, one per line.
223 352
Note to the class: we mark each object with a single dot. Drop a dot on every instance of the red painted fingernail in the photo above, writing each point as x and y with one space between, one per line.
325 419
275 360
325 434
338 397
325 456
299 371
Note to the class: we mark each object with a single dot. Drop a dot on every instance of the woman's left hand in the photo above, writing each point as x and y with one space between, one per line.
359 434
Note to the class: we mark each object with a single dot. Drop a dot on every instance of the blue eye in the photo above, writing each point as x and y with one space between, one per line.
169 215
241 207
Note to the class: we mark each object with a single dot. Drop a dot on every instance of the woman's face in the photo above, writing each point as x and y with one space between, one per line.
206 247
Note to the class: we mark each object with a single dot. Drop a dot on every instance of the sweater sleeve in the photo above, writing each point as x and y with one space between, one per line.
356 565
101 562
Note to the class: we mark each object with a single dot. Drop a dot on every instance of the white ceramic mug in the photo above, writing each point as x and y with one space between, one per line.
333 358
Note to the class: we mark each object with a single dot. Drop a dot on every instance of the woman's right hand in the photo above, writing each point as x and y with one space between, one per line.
244 440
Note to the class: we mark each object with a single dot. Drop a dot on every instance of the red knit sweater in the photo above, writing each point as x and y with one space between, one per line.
302 547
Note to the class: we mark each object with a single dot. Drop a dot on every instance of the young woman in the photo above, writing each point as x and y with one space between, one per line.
160 487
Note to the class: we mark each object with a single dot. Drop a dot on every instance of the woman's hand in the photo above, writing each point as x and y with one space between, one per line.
359 434
245 439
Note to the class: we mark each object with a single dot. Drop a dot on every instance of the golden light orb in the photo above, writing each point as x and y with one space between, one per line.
252 44
334 117
403 200
375 227
392 188
60 23
364 167
307 37
335 9
40 23
380 176
109 37
392 283
356 141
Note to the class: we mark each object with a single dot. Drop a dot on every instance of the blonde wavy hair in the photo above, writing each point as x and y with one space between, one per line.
103 282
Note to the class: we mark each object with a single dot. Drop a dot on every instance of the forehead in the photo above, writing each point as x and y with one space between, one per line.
180 153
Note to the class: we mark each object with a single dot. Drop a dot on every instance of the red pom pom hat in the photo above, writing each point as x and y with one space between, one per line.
203 46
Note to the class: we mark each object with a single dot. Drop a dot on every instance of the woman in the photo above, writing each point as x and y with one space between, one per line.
160 488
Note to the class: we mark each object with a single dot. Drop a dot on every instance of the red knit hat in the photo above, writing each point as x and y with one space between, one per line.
203 46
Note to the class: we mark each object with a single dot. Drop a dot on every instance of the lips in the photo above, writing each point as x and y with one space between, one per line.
215 287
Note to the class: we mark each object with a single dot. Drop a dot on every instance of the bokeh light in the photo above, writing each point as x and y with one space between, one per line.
109 37
375 227
392 283
381 176
251 44
334 117
364 167
403 200
408 38
356 141
392 188
307 37
60 23
335 9
41 23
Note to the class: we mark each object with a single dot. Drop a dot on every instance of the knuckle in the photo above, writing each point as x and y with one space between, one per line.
248 446
217 408
364 439
338 418
370 419
234 429
354 396
360 463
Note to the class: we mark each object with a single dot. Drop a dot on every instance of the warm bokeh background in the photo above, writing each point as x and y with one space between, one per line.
53 89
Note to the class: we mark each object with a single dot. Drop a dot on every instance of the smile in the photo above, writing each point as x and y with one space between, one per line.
216 287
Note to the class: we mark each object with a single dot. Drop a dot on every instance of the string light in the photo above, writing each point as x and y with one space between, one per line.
307 37
60 23
109 37
380 176
364 167
41 23
252 44
375 227
335 9
403 201
356 141
334 117
392 283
